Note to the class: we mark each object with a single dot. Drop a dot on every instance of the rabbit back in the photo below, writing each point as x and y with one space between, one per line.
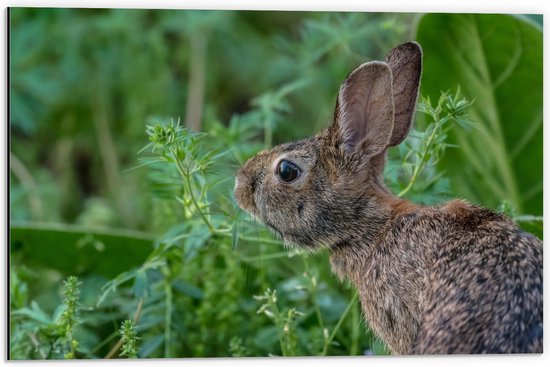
483 293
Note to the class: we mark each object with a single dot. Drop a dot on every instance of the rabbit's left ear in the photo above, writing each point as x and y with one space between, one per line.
363 118
405 62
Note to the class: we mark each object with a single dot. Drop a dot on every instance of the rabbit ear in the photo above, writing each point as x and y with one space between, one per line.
363 119
405 62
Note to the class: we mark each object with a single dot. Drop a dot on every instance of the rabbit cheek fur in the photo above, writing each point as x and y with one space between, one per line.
432 280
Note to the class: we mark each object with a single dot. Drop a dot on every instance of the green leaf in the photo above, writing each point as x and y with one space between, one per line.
197 238
141 283
150 345
530 224
497 61
141 287
235 236
34 313
111 286
74 249
188 289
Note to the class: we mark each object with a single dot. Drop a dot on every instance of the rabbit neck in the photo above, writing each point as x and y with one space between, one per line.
387 268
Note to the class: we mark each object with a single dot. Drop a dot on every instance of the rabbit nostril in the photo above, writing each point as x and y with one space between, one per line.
253 184
300 208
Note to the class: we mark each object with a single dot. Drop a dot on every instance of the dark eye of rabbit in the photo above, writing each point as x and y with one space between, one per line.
287 171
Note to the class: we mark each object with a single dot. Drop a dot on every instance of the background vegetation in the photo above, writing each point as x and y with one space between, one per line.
119 254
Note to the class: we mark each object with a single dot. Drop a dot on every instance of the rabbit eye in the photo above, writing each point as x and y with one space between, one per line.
287 171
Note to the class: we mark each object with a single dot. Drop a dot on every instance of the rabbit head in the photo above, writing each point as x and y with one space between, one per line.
320 190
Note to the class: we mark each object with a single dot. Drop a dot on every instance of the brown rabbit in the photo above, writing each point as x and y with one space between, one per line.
457 278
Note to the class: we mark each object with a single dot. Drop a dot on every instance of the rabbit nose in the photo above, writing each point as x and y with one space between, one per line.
242 190
242 179
245 187
239 184
245 182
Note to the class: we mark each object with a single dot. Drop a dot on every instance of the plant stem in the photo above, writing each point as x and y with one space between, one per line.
135 319
335 330
268 133
110 158
313 291
71 344
100 345
186 178
36 344
420 167
265 241
28 182
278 323
355 326
276 255
197 207
167 319
195 97
528 218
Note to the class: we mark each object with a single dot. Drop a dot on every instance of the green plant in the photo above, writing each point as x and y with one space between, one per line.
129 339
50 336
285 321
69 317
424 149
236 347
497 63
412 169
182 169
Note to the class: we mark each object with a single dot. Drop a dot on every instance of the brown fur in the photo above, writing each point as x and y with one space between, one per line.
452 279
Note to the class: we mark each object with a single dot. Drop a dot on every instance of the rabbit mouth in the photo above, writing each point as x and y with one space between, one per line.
274 229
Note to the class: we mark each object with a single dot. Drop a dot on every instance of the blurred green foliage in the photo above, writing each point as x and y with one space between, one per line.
83 83
155 238
498 63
